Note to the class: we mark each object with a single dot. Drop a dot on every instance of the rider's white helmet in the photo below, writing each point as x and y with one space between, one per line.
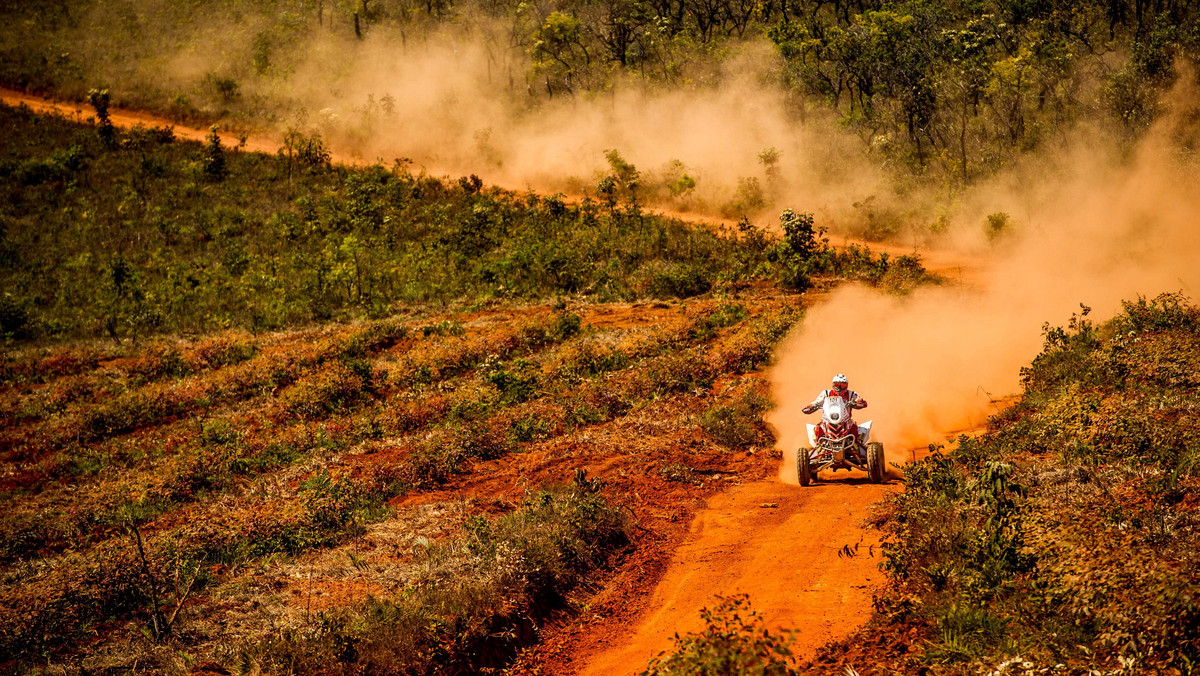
840 379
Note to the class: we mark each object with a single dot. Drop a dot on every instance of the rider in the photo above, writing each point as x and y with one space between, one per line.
841 388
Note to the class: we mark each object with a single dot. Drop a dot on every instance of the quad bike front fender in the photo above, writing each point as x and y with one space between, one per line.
864 434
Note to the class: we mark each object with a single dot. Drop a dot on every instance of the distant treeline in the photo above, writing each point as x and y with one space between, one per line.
954 89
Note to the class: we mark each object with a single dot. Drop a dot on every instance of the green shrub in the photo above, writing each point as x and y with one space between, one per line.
732 426
517 381
336 385
965 633
734 641
565 325
1164 312
15 321
532 427
679 281
160 361
215 168
225 352
998 225
443 328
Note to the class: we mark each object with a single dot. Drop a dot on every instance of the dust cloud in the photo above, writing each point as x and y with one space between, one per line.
1093 228
462 99
457 107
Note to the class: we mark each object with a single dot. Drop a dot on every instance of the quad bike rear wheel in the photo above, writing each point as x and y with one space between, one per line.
875 462
804 473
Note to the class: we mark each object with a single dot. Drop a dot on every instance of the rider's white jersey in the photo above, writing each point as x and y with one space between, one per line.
851 397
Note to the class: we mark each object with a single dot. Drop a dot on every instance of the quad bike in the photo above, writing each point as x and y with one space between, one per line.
838 448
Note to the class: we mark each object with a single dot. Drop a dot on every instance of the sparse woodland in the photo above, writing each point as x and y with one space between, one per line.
267 413
951 91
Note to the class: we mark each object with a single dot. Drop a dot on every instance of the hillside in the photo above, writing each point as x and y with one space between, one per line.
357 478
459 337
129 233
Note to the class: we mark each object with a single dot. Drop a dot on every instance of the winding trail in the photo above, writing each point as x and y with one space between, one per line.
124 118
778 543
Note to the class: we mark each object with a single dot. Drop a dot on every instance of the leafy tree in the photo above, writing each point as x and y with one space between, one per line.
559 52
214 156
99 100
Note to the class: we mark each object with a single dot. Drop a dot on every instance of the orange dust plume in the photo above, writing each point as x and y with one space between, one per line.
1093 229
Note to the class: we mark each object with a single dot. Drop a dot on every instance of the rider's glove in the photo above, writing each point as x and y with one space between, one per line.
809 409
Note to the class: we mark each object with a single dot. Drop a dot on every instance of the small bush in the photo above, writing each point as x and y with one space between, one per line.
443 328
965 633
1164 312
224 352
530 428
734 641
162 361
516 381
15 321
730 425
679 281
564 326
998 226
335 386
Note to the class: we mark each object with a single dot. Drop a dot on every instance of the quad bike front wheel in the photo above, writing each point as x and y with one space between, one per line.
804 473
875 462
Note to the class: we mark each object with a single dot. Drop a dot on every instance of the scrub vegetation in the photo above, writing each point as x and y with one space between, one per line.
1065 537
270 413
241 393
276 499
128 234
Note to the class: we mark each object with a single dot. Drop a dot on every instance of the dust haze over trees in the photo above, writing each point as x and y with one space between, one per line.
949 90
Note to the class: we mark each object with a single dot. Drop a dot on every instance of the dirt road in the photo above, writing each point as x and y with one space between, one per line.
123 118
779 544
776 542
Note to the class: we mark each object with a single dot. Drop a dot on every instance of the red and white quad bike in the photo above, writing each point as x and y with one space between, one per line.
839 449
